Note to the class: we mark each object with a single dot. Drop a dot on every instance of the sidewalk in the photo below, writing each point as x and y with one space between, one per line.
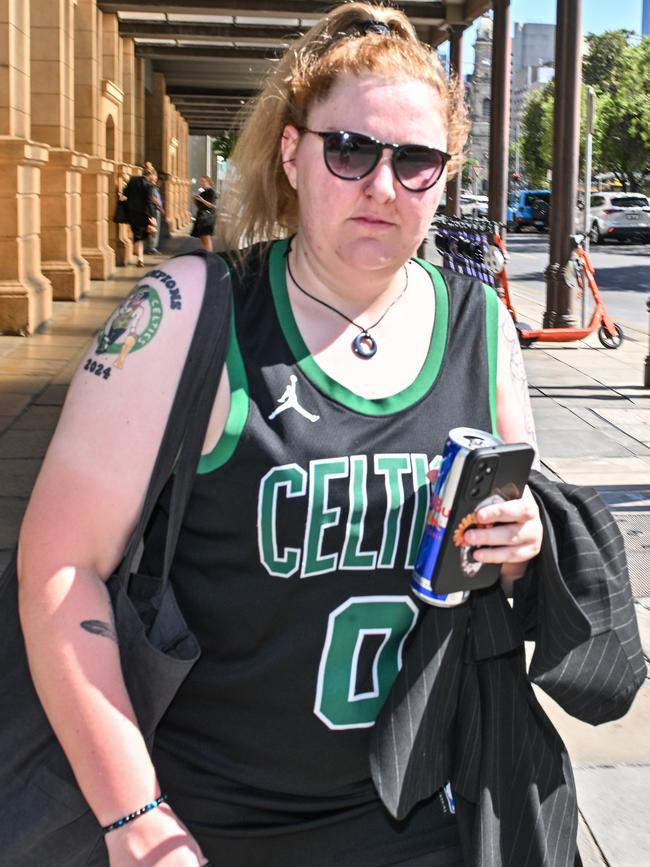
593 424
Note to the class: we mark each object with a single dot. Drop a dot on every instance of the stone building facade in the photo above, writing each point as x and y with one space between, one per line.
74 117
478 87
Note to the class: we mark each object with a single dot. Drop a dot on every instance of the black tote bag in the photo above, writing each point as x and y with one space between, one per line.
121 214
44 819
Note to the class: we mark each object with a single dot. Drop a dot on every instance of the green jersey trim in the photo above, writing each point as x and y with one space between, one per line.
367 406
237 414
492 338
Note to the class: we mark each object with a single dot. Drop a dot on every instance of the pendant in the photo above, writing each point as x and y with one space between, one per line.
364 345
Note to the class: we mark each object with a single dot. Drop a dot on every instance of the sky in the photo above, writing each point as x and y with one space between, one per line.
597 16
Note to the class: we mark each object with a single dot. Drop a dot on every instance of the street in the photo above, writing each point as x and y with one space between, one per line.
622 274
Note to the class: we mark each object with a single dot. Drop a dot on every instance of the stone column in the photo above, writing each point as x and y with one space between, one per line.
560 297
52 92
173 164
96 205
139 111
112 119
129 108
25 293
185 173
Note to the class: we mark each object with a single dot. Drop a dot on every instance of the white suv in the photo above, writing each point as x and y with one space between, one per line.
620 216
473 206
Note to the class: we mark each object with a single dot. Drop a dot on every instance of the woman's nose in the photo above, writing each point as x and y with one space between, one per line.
381 181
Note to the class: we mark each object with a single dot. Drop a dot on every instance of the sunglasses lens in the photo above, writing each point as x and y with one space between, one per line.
349 155
418 167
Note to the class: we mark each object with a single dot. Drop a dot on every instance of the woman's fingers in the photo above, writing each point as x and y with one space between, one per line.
515 535
510 511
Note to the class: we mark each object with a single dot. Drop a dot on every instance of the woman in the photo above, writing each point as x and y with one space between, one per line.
141 209
156 197
204 218
348 364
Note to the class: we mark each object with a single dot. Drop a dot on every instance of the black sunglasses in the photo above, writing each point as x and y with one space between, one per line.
351 156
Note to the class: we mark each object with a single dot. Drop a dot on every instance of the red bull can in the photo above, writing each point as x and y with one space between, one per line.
460 441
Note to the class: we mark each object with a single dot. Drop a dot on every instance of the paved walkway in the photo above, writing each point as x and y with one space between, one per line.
593 422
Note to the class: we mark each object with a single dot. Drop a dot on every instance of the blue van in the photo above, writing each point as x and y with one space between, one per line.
529 208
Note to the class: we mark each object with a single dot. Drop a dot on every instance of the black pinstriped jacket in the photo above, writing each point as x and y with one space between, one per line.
463 709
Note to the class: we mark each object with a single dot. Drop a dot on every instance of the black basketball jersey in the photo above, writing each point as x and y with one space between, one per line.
294 560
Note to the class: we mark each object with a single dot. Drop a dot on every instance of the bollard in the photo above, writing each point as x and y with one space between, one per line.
646 378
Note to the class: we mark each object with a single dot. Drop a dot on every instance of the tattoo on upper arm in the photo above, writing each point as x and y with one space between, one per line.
518 377
100 627
134 324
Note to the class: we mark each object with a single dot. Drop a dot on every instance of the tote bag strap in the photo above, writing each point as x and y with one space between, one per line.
188 418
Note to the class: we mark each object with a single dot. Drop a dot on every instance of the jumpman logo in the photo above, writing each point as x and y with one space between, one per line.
290 401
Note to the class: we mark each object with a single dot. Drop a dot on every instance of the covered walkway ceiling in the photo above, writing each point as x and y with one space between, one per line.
215 55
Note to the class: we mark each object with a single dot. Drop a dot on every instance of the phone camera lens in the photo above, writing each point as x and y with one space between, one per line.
474 492
488 470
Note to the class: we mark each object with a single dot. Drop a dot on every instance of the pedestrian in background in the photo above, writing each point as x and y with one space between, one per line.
141 210
206 212
154 239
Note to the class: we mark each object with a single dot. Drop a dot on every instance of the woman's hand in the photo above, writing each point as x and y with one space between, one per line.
157 839
513 539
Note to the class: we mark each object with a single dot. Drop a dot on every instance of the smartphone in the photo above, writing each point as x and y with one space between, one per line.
490 474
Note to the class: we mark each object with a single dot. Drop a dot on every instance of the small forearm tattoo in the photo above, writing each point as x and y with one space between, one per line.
520 381
99 627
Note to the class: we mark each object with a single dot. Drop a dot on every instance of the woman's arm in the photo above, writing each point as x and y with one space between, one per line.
84 506
516 536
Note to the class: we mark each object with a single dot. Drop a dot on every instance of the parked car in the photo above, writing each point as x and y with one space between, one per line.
473 206
529 208
620 216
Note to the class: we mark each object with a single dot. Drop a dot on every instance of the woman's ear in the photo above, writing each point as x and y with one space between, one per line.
288 149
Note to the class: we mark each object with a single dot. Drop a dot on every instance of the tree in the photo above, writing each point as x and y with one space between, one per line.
604 59
468 172
619 72
223 145
536 140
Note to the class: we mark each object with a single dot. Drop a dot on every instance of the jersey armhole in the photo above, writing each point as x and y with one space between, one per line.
237 413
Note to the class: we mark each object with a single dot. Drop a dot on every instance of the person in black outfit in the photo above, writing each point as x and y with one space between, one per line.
141 209
204 219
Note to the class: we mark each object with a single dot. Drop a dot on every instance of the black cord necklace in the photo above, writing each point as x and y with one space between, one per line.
364 344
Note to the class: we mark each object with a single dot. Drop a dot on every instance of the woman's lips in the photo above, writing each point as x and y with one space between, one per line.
373 222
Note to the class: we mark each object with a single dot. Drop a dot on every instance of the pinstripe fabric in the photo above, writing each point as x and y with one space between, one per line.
462 707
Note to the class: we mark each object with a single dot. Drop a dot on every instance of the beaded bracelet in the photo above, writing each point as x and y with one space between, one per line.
131 816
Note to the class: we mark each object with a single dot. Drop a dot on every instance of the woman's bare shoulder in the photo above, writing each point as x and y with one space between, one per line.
97 467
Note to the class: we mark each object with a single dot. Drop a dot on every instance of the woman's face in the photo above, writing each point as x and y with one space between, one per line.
374 223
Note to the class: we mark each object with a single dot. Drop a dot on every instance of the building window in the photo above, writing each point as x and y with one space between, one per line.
486 107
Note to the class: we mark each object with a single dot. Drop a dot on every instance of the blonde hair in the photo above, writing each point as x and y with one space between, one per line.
259 203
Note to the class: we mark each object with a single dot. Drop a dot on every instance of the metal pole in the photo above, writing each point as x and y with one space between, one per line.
565 159
454 186
553 267
591 107
500 112
646 378
517 149
591 115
